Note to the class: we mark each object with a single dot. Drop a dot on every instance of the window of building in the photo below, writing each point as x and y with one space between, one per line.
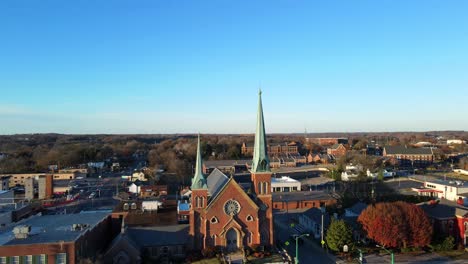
3 260
214 220
133 206
61 258
249 237
249 218
15 260
28 259
41 259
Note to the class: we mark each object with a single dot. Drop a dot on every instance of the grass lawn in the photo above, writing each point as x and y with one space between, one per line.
207 261
270 259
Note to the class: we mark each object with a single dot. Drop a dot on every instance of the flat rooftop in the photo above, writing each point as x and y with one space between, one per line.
53 228
283 179
300 196
440 180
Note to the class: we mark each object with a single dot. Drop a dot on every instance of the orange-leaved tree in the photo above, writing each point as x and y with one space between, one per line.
396 224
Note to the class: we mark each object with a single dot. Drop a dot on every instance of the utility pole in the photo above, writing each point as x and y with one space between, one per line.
322 241
297 237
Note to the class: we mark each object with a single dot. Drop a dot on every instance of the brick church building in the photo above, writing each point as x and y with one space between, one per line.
222 213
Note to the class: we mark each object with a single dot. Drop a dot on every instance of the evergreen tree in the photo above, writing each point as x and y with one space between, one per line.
338 235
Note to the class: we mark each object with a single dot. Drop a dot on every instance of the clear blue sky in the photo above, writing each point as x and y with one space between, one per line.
188 66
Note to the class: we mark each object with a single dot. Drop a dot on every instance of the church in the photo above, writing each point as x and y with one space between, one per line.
222 213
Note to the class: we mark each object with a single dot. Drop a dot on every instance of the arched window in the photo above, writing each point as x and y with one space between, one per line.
133 206
249 238
259 188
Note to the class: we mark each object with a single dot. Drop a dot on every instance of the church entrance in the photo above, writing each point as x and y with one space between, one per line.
232 240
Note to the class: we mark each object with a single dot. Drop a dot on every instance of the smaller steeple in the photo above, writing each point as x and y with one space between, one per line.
199 180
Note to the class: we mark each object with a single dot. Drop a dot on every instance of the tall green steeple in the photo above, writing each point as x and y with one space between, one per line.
199 180
260 162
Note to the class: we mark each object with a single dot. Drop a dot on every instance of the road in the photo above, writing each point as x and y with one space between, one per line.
309 252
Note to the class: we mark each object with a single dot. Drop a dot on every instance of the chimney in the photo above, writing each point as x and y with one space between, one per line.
21 231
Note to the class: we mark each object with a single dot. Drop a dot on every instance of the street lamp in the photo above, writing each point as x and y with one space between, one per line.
296 237
388 251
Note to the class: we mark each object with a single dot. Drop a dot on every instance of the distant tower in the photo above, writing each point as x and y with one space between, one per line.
261 177
199 201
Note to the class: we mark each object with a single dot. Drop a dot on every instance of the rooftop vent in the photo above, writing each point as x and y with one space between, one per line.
79 227
21 231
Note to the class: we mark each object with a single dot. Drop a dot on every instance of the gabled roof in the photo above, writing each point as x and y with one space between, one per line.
335 146
357 208
216 181
240 190
315 214
159 235
438 211
404 150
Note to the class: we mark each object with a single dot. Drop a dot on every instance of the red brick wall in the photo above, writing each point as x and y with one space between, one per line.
217 210
50 249
301 204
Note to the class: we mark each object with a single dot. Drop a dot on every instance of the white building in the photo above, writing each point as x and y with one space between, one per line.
349 175
135 187
285 184
439 188
455 141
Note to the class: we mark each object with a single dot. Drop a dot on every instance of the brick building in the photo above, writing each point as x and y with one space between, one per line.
301 200
223 214
56 239
408 156
273 148
448 219
337 150
327 141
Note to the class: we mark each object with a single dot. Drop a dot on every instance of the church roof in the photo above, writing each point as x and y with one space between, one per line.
216 181
223 188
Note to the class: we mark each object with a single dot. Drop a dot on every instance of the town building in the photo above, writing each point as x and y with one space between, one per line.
273 148
408 156
46 186
337 150
327 141
155 244
4 183
18 179
56 239
456 141
448 219
29 188
449 189
224 214
226 166
311 222
148 191
301 199
285 184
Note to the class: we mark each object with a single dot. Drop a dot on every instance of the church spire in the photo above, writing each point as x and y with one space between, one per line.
260 162
198 180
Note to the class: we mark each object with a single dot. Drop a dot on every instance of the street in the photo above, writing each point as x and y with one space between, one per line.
309 251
